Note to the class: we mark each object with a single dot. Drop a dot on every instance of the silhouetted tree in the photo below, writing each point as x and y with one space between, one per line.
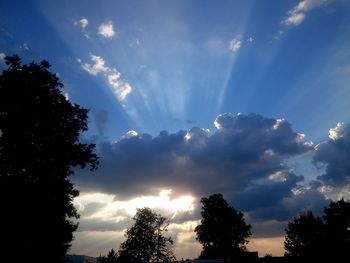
304 236
223 231
309 236
110 258
337 225
145 239
39 146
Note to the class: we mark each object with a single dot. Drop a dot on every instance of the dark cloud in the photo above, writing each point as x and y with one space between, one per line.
243 159
335 155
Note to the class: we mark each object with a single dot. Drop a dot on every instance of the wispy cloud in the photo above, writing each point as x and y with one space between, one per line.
250 39
278 35
119 86
24 46
82 22
235 44
297 14
106 30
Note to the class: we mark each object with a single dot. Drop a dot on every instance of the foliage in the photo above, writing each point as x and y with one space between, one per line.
337 224
39 146
110 258
223 231
145 239
304 235
309 236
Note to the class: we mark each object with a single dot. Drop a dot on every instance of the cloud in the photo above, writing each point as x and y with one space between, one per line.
25 47
335 155
245 154
2 56
278 35
250 39
83 23
244 158
120 87
117 84
235 44
106 30
98 65
297 14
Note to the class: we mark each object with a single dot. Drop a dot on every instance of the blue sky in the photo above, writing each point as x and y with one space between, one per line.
143 67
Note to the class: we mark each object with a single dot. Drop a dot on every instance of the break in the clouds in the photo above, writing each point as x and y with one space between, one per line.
235 44
297 15
106 30
335 155
118 85
246 153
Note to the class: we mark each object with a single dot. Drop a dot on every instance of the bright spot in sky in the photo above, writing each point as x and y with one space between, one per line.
114 209
187 136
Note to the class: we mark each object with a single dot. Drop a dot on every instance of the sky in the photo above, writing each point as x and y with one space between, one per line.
190 98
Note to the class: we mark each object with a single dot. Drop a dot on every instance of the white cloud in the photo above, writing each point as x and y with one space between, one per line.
295 19
337 132
120 87
97 67
297 14
278 176
235 44
106 30
83 22
130 134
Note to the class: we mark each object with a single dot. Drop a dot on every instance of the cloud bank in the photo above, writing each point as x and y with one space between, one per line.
243 158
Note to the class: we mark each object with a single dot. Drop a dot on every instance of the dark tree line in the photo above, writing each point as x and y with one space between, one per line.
39 146
310 236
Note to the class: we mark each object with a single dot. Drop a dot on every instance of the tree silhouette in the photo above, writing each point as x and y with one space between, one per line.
39 146
304 236
309 236
337 225
223 231
145 239
110 258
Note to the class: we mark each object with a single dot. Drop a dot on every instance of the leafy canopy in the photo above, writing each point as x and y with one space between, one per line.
223 231
145 239
39 146
310 236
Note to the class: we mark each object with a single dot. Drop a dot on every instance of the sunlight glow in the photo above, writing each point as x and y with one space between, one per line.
187 136
113 209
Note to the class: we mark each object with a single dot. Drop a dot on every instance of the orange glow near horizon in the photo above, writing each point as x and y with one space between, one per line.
267 245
